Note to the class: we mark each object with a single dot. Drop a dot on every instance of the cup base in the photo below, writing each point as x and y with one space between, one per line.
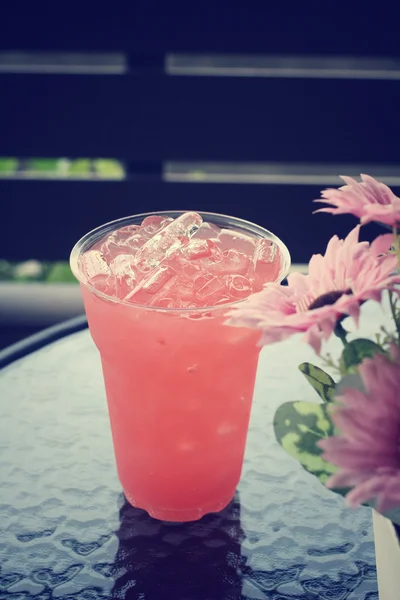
180 515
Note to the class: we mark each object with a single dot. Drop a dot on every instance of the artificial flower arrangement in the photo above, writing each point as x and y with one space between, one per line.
351 439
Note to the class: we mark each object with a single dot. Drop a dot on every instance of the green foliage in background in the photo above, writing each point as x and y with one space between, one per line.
35 271
110 169
81 166
8 165
42 165
60 272
62 168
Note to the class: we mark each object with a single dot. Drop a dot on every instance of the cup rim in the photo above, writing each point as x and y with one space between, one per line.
86 241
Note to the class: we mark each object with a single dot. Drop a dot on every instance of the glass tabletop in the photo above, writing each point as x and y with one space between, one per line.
66 530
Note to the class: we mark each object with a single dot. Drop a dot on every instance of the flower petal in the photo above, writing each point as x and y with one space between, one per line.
382 244
366 448
368 199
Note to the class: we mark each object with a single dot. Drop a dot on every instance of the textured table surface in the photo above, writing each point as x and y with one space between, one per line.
66 531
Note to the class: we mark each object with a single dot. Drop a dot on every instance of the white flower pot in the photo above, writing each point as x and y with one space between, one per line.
387 551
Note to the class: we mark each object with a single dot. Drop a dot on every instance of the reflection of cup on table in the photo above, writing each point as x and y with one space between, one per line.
179 382
172 561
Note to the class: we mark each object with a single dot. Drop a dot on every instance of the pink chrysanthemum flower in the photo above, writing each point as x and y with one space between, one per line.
367 449
368 199
337 283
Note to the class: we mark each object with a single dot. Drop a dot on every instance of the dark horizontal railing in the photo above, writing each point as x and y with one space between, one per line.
154 117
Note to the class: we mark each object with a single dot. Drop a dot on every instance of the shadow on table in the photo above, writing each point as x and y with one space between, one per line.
179 561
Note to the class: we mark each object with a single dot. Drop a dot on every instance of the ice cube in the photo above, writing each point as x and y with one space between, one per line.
111 249
265 251
124 240
169 239
120 235
201 279
210 290
207 231
197 249
214 257
148 263
232 262
178 244
177 292
266 263
208 285
184 291
145 291
200 254
153 224
236 240
92 263
239 286
111 245
186 269
136 241
124 265
126 275
105 284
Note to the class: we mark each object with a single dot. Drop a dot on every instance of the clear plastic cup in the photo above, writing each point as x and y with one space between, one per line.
179 385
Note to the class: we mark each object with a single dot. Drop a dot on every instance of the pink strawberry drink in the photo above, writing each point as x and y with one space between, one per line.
179 382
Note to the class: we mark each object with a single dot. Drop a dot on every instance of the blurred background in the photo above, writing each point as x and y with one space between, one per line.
240 111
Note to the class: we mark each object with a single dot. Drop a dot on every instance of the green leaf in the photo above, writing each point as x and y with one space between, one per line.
80 166
298 428
60 273
355 352
322 383
8 166
47 165
109 169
